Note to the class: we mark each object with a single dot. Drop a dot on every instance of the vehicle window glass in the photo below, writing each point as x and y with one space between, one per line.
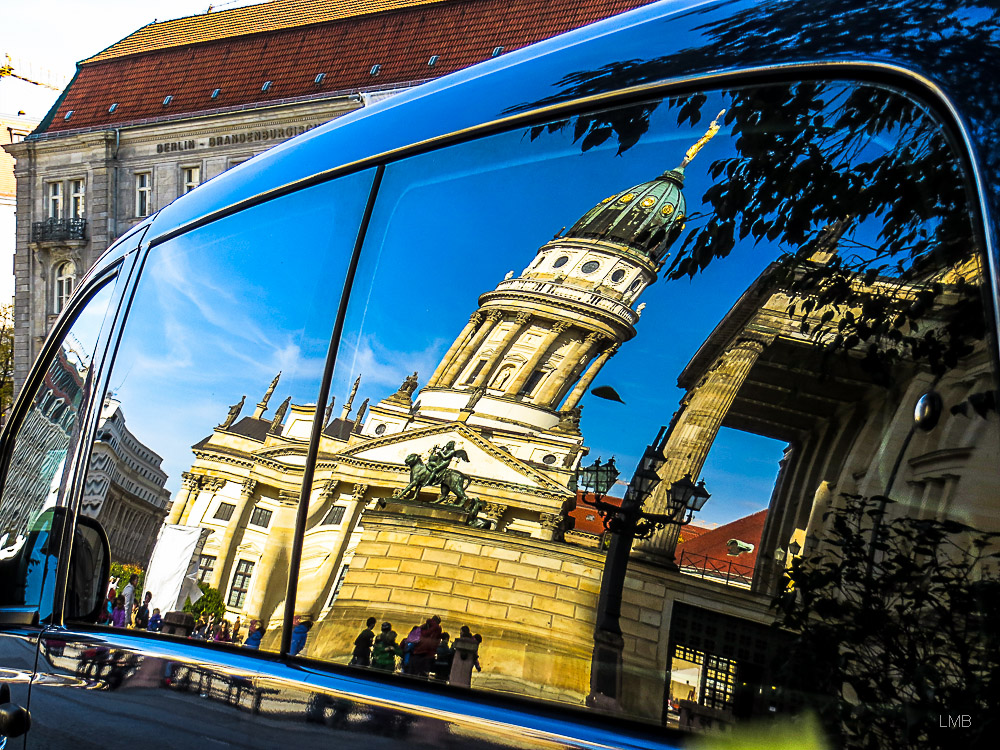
220 359
743 311
36 477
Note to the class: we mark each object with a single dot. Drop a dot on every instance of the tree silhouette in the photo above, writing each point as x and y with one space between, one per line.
804 162
883 653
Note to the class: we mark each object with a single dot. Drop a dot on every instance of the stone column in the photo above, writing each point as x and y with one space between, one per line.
558 328
551 526
474 321
467 352
520 323
314 593
694 430
270 580
189 484
557 380
588 377
494 512
224 563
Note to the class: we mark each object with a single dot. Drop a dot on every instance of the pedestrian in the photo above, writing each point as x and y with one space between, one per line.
255 635
109 606
443 658
129 593
200 628
362 656
142 614
409 643
223 635
385 649
300 630
118 618
479 643
466 654
155 621
427 646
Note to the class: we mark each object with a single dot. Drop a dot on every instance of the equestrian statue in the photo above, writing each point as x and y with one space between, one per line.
437 473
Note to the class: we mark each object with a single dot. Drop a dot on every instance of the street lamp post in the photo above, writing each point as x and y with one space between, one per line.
626 523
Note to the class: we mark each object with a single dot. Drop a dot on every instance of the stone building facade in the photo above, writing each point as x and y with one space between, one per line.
124 487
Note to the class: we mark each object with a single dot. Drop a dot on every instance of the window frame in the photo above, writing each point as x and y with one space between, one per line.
121 276
260 517
224 511
54 200
77 198
245 578
190 178
63 284
143 193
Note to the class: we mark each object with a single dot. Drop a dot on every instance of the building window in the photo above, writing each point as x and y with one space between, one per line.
192 178
334 516
206 566
225 511
532 381
143 190
260 517
55 198
65 277
475 371
241 584
77 199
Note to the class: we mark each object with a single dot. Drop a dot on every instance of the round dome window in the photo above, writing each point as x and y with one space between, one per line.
618 275
380 430
549 459
590 266
635 285
561 261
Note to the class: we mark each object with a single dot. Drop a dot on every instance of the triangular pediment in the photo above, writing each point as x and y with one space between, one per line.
486 461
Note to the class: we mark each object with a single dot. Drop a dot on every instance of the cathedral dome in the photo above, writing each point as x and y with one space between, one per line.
646 218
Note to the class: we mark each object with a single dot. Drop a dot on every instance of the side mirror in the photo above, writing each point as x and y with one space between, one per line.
89 571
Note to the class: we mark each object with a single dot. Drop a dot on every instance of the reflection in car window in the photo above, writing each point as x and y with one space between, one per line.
615 396
35 478
742 314
230 324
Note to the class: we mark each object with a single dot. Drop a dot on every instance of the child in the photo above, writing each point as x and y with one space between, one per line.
118 615
155 621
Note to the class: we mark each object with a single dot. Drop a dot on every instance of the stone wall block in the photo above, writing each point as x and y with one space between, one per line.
406 596
455 573
441 556
418 568
493 579
428 583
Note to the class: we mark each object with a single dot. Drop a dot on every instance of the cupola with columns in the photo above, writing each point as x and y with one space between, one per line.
533 348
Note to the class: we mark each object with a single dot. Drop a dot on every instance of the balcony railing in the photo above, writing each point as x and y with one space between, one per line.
58 229
728 572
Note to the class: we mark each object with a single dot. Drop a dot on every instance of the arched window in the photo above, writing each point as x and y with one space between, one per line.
65 277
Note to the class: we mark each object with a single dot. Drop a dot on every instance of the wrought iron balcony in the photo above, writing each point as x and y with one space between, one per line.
58 229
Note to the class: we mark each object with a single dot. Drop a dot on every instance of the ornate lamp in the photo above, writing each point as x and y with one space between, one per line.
686 498
597 479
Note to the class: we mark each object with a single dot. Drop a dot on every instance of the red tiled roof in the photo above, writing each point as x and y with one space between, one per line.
586 517
401 41
712 544
250 19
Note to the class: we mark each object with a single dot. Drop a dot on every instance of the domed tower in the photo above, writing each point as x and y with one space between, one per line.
538 340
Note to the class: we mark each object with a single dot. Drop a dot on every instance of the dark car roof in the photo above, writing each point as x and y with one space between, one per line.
664 42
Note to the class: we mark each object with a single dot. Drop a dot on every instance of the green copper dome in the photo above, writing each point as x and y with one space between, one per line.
646 218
